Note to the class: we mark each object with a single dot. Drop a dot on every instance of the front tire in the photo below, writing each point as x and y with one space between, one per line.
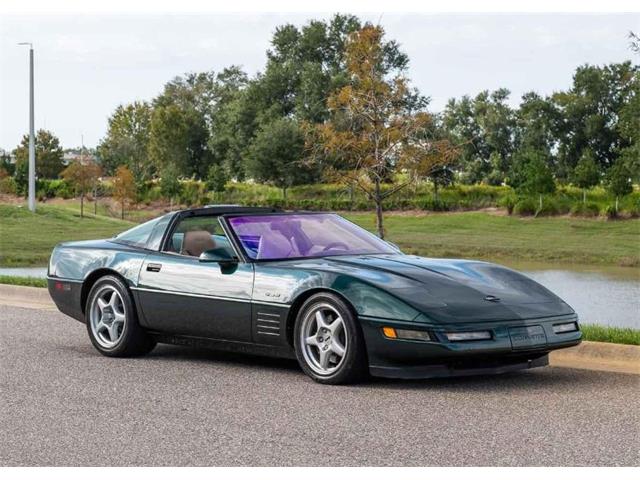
112 322
328 342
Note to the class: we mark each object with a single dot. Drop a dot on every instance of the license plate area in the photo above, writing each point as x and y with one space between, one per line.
527 337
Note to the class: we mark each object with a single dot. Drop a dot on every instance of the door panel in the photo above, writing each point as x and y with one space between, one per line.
182 295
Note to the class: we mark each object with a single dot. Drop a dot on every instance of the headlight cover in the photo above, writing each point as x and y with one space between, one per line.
468 336
565 327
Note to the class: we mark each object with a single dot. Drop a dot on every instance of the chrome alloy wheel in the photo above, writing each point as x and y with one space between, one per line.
323 338
107 317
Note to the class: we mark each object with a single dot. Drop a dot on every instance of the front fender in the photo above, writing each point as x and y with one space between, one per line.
283 285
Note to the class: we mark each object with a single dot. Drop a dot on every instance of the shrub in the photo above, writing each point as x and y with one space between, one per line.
8 185
192 193
589 209
525 206
550 206
509 202
610 212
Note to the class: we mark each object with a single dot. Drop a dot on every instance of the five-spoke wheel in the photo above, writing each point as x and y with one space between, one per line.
325 340
328 341
112 322
107 316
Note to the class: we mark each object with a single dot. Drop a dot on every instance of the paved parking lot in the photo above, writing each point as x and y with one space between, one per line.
64 404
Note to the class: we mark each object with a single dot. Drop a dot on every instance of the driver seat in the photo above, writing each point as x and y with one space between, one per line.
197 241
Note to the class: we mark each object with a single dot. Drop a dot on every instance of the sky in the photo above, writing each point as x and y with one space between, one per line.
87 65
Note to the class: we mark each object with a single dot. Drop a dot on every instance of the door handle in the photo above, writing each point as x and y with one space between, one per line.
154 267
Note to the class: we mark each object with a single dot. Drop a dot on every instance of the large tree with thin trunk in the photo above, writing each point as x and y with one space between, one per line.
124 188
377 126
49 154
82 176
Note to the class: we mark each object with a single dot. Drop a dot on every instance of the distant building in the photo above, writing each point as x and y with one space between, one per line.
73 155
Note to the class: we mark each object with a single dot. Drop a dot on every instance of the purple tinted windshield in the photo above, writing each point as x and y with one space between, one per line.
274 237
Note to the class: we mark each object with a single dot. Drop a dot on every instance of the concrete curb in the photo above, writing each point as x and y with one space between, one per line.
608 357
26 297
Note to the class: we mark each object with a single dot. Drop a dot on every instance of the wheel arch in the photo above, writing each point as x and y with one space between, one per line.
303 297
91 280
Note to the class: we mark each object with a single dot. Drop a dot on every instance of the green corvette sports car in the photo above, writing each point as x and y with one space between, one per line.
310 286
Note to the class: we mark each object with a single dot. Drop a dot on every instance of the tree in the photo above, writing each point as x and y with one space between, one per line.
21 177
482 126
532 174
590 113
537 128
618 180
376 118
124 187
181 124
5 162
229 130
127 141
170 186
304 66
82 177
169 139
217 179
49 154
586 173
277 154
430 154
634 43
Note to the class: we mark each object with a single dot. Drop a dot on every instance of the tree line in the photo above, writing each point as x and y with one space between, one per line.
334 102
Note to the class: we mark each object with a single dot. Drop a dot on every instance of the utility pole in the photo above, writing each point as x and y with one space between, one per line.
32 137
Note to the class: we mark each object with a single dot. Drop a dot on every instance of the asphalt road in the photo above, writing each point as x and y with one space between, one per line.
64 404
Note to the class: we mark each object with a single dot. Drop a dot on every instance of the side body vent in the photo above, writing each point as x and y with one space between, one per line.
267 324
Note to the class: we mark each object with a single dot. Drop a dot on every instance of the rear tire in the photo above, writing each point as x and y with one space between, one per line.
112 322
328 341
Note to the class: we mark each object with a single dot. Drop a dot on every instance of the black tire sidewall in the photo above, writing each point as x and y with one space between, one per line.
354 366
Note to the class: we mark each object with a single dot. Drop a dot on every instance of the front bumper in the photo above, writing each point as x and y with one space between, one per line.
439 358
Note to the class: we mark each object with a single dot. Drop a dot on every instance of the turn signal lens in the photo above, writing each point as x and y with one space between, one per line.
389 332
466 336
565 327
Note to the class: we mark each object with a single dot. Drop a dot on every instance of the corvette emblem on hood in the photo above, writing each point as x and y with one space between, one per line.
491 298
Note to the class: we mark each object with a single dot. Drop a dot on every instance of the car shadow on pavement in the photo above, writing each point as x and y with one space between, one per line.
528 379
208 355
542 378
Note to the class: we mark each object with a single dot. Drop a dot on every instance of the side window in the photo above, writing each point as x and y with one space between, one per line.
137 236
194 235
158 232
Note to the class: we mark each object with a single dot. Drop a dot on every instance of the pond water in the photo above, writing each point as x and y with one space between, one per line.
600 295
603 296
35 272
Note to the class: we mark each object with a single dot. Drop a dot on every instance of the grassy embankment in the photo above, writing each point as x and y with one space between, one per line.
505 238
599 333
27 240
23 281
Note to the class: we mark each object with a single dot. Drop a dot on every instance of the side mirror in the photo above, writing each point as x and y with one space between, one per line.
217 255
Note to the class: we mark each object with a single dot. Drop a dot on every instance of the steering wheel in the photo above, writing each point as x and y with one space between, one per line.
333 245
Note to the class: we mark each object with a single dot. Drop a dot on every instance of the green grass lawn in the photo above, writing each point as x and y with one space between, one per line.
27 239
501 238
598 333
23 281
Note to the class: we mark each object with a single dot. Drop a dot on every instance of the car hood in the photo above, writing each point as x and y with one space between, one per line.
449 290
